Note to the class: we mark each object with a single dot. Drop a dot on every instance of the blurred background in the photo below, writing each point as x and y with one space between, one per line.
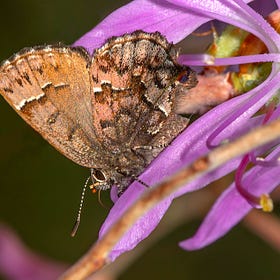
40 189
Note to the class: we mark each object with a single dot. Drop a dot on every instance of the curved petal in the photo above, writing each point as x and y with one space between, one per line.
235 12
231 207
203 60
177 19
172 21
182 151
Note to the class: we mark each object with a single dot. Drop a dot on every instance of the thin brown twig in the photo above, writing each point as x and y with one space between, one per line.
266 226
97 256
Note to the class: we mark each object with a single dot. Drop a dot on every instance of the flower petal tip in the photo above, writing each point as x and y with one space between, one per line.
190 245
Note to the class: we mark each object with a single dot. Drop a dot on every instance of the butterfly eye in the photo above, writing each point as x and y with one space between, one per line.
183 77
98 175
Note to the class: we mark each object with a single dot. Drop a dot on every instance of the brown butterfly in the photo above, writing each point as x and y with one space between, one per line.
112 112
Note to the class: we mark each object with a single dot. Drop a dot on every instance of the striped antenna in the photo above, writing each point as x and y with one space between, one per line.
78 220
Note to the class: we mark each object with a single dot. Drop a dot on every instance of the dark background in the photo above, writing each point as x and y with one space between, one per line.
40 189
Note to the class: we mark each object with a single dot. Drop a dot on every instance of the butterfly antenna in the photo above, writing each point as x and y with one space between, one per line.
78 220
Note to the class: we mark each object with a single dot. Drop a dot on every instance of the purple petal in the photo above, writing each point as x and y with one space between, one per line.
141 229
177 19
231 207
257 98
235 12
172 21
183 150
206 60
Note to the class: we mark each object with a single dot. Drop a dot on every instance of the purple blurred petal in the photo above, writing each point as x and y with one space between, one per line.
264 7
18 263
231 207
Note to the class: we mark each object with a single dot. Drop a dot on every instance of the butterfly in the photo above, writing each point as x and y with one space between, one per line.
112 112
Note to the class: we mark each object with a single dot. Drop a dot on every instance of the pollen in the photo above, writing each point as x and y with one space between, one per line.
266 203
92 188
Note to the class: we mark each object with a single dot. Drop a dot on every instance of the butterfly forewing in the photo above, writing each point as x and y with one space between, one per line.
49 88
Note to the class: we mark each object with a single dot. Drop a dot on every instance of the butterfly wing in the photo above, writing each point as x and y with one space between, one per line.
49 88
133 82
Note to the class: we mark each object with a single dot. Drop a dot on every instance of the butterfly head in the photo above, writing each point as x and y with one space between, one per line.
100 180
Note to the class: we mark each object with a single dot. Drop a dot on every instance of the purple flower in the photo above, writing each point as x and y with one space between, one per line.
176 19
